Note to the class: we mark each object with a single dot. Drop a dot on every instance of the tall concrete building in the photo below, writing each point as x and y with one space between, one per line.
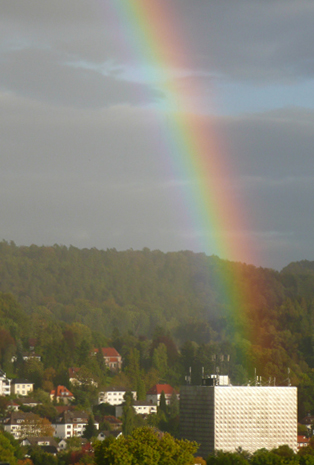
227 417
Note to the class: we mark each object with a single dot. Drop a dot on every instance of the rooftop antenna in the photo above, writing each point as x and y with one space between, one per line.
214 356
288 379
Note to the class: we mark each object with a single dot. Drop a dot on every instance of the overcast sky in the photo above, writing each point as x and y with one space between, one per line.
83 135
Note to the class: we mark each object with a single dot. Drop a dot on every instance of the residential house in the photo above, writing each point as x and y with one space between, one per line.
27 356
303 441
115 423
153 395
114 396
71 423
77 377
106 434
21 387
5 384
63 444
13 406
15 424
61 394
140 407
29 402
46 443
112 358
308 421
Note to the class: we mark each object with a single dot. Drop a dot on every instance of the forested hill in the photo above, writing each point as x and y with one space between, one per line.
132 290
164 312
139 290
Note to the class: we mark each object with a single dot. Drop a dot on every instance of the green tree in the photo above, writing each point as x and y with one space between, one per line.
173 406
160 360
265 457
162 403
7 451
40 457
90 430
128 416
140 389
145 447
226 458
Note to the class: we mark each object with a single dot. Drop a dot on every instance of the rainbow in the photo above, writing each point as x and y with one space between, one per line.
151 31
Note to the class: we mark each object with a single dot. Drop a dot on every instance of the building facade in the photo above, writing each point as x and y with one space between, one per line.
228 417
140 407
5 384
154 394
21 387
112 358
71 424
114 396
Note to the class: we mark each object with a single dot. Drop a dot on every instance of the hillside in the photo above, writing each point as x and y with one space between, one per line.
70 300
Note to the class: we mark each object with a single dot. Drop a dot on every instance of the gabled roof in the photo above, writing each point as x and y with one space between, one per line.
17 417
77 416
110 352
21 381
158 388
61 391
117 389
36 440
308 420
303 439
28 400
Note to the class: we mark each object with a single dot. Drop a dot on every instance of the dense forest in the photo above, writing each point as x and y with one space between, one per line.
164 312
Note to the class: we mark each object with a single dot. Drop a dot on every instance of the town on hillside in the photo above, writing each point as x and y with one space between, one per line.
215 415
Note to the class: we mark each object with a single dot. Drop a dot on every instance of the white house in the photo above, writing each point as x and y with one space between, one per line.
113 396
61 393
41 441
5 384
71 424
112 358
153 395
21 387
14 424
140 407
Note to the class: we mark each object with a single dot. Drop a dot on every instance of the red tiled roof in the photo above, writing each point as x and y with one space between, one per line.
303 440
61 391
110 352
158 388
107 352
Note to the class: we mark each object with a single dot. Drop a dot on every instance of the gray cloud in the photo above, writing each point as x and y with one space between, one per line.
45 75
86 158
258 41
